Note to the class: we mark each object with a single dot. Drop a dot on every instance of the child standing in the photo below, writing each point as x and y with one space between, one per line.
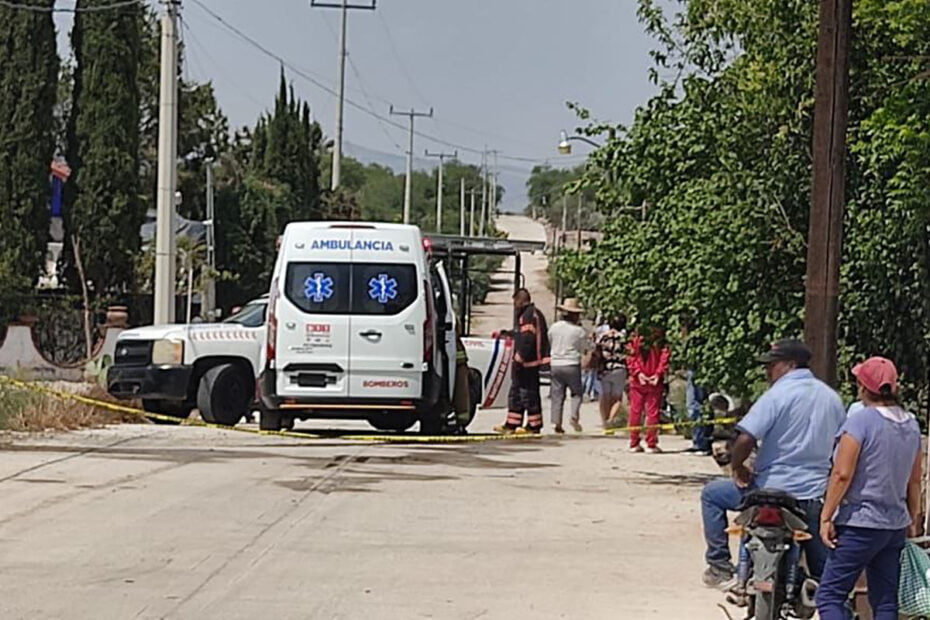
647 364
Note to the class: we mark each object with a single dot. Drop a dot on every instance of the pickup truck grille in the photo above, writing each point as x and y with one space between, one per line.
133 353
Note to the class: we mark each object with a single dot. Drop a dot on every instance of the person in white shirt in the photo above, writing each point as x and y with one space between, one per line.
568 342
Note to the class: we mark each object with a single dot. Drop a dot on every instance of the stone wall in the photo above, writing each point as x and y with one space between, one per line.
20 357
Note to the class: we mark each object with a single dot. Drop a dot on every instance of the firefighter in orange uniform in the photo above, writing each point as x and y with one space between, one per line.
531 352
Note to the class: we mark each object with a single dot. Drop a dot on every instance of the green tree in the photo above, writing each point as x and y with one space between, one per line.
721 157
103 206
287 144
203 130
885 295
248 225
551 190
28 84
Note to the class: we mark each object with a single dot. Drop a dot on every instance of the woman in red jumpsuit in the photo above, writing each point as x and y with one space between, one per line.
647 364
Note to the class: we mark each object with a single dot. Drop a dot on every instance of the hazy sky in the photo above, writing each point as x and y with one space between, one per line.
496 72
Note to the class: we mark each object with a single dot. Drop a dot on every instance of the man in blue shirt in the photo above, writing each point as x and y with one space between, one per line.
793 425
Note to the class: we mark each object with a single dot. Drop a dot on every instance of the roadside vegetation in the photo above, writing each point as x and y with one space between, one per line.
718 166
25 411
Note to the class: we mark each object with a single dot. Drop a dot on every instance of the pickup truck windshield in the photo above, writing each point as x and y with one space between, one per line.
251 315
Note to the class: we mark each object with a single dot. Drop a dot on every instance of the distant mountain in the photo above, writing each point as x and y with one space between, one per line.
512 178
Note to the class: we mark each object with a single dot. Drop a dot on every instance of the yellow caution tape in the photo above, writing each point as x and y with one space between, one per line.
102 404
436 439
673 426
115 407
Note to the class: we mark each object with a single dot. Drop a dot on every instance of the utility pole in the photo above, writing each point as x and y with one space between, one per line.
559 246
484 192
828 196
412 114
208 301
344 7
578 220
471 225
165 250
486 204
462 207
442 156
492 212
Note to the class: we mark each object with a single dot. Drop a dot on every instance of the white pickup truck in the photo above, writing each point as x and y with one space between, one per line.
214 367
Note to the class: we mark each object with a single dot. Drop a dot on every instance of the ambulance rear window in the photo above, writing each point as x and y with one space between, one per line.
386 289
319 288
351 288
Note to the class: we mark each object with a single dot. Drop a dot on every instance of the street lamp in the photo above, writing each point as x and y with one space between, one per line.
565 145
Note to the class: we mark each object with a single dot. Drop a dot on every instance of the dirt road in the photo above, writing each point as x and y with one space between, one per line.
178 522
497 313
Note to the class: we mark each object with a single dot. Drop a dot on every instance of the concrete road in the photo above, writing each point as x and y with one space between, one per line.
180 522
142 521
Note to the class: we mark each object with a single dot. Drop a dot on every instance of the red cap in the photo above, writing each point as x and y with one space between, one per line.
875 373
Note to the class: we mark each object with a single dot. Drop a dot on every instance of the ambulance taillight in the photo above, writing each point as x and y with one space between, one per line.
271 340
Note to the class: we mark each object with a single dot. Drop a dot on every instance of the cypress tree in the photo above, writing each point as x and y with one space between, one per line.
103 206
289 154
308 159
28 85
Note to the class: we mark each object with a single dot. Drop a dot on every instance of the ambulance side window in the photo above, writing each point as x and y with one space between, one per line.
319 288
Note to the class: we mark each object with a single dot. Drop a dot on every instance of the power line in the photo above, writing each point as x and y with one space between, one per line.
219 68
400 62
364 91
381 124
182 43
327 89
53 9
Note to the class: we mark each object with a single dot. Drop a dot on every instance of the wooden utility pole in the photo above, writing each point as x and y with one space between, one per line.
344 7
440 187
828 196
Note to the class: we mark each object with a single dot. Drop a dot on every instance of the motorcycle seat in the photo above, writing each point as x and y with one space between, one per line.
770 497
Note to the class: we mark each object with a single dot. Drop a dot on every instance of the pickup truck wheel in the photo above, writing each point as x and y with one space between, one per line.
173 408
393 421
224 394
270 419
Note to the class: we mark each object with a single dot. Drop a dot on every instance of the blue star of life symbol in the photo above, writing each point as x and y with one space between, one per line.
382 288
318 287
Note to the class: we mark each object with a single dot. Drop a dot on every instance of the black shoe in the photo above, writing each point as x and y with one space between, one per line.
718 578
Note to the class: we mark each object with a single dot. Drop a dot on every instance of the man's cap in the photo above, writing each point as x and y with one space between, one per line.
876 373
787 350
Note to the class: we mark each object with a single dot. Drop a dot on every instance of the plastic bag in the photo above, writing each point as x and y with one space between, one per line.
914 587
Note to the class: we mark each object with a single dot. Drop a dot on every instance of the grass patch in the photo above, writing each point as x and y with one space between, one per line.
25 411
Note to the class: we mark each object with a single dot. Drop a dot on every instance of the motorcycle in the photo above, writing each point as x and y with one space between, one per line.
771 581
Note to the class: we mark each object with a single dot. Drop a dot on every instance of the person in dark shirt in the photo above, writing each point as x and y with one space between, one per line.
611 347
531 352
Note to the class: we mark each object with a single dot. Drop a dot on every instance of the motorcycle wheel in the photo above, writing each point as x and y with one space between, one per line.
767 606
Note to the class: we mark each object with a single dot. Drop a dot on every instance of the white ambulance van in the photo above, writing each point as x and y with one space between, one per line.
360 325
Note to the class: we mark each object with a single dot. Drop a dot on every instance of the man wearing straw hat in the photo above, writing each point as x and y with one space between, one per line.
567 341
